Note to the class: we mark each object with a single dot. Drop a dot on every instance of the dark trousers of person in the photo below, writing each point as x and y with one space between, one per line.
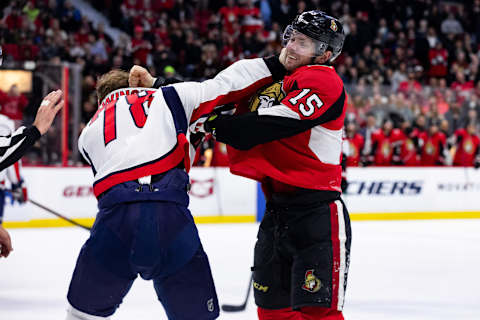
302 256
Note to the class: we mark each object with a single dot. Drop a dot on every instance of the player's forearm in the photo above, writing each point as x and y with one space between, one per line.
11 150
251 129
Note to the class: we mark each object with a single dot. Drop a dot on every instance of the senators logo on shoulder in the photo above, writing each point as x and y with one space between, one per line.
268 96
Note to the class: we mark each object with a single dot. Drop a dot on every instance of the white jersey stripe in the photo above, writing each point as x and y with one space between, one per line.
326 144
280 110
342 237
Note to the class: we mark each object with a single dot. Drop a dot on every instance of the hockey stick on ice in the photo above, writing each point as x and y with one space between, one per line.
58 214
241 307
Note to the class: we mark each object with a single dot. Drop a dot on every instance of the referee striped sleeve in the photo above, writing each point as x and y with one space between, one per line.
14 146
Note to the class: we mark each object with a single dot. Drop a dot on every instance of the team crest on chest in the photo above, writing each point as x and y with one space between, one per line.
430 148
386 149
312 283
468 146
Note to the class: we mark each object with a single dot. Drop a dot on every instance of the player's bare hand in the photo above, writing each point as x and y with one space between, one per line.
5 243
49 107
140 77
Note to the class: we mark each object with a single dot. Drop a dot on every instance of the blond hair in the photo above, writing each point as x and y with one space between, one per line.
111 81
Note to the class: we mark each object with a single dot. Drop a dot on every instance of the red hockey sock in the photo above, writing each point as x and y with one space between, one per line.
318 313
278 314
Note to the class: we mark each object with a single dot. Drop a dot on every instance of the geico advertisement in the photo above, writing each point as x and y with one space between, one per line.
69 191
377 190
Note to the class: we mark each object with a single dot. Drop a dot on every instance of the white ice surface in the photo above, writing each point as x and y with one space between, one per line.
400 270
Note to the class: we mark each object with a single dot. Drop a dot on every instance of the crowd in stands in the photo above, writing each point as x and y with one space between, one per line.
411 67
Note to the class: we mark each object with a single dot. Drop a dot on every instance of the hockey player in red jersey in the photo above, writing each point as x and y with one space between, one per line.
433 146
408 146
385 145
355 145
289 137
467 147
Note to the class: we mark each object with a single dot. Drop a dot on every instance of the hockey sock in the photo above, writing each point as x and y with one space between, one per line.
319 313
278 314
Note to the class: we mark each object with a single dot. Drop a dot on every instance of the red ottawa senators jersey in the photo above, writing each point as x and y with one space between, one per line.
408 151
384 146
311 103
432 148
467 148
355 145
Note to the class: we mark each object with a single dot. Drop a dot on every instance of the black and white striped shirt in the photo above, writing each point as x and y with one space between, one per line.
14 146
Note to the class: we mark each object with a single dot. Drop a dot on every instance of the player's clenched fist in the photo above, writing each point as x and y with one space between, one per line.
140 77
49 107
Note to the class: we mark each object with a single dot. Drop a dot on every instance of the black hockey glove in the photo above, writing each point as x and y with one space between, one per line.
205 124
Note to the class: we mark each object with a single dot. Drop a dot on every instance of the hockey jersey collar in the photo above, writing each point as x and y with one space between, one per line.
114 95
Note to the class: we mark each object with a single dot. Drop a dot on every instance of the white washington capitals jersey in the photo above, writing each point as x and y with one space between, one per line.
138 132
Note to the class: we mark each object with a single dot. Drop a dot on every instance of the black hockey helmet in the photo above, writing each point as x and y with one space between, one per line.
326 31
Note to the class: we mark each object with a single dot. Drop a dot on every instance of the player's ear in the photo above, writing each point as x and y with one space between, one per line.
324 57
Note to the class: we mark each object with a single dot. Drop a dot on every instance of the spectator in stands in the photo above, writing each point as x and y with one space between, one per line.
451 25
31 11
56 32
140 47
461 86
438 57
13 104
282 12
210 64
230 14
69 17
411 85
382 47
454 116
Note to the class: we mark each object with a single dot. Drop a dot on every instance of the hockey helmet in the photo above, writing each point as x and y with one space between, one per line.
325 31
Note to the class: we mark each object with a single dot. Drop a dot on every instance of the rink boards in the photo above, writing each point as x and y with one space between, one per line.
218 196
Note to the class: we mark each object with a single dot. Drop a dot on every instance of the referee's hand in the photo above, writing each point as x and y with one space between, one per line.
49 107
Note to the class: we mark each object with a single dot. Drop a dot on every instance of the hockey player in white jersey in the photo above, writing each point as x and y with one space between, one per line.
139 151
